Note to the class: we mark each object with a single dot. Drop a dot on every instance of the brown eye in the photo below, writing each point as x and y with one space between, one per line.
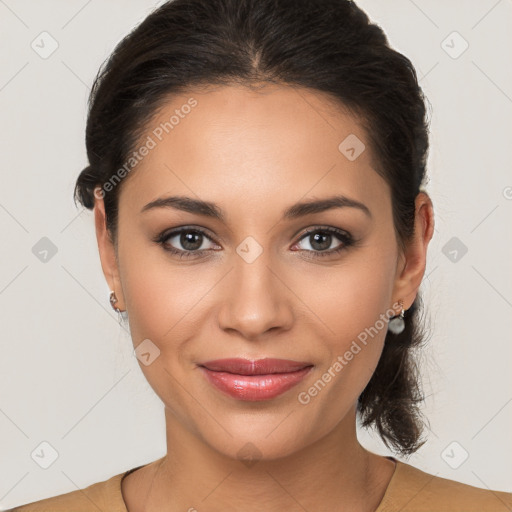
191 240
185 242
320 241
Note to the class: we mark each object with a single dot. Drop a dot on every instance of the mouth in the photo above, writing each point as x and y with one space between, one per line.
254 380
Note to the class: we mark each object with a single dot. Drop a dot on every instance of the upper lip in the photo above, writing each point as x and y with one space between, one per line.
264 366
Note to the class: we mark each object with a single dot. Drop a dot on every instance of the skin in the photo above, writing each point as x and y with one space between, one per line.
255 153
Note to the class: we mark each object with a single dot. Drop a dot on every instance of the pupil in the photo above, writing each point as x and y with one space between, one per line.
325 244
187 241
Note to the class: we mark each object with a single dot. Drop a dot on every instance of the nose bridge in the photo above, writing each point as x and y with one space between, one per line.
256 300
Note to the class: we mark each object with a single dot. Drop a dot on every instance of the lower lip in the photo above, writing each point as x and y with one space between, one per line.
254 387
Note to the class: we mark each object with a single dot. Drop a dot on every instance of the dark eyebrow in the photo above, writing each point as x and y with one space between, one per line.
321 205
187 204
209 209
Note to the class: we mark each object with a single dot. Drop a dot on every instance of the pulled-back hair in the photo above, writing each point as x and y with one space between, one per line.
326 45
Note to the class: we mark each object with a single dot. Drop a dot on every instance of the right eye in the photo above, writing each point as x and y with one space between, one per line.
191 239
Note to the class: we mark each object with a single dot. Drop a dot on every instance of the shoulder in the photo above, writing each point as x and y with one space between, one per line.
104 495
414 490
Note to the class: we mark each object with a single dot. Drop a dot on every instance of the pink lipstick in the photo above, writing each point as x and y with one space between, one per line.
253 380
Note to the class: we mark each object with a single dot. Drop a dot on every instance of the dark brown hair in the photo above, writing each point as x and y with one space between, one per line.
326 45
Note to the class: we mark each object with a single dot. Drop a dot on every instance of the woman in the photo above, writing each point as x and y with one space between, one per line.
256 172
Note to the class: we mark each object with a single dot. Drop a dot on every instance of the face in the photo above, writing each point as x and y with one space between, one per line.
253 282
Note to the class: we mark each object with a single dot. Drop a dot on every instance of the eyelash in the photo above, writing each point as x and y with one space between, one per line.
346 239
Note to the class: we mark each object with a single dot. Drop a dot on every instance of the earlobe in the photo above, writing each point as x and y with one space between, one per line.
107 252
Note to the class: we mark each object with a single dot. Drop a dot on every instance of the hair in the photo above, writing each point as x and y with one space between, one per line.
327 45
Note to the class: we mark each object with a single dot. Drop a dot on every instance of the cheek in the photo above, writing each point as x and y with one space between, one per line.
158 298
352 305
162 303
349 298
167 303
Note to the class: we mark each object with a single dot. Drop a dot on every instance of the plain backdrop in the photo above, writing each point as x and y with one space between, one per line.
68 377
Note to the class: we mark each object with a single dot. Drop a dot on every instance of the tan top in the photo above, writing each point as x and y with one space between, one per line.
409 490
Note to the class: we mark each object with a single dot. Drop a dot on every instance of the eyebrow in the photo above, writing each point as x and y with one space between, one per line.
209 209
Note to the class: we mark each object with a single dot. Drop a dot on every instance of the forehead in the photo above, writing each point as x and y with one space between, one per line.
268 146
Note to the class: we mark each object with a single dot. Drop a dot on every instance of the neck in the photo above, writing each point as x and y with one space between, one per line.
333 473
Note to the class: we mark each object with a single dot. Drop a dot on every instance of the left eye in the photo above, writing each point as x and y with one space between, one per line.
320 240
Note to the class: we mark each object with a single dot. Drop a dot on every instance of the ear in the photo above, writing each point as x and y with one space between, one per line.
413 261
107 251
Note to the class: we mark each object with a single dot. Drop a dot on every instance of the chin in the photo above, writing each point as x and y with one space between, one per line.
251 449
258 436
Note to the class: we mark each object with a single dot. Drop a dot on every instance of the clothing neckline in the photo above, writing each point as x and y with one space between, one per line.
122 507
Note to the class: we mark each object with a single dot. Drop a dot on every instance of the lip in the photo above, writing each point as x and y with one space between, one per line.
254 380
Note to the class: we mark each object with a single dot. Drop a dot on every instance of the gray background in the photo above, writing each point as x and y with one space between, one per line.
67 370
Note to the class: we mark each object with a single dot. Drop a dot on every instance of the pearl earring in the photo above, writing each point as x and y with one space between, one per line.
397 324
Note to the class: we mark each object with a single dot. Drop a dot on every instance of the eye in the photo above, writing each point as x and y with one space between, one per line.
320 239
192 241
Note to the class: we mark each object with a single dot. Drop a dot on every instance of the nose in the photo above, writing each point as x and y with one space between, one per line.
256 300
